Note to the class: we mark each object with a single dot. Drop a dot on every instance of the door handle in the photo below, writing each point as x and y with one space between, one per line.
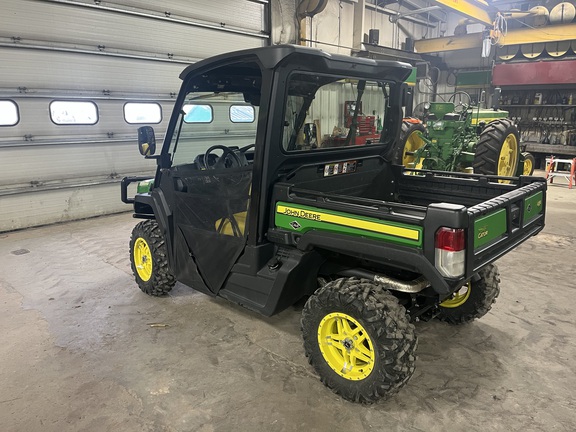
179 185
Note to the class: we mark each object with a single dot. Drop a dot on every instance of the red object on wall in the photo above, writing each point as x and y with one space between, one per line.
544 72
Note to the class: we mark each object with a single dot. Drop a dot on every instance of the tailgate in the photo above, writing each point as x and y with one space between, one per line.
500 224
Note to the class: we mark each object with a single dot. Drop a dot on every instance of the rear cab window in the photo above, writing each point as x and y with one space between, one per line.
323 112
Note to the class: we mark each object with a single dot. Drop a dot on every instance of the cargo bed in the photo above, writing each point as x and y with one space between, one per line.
403 209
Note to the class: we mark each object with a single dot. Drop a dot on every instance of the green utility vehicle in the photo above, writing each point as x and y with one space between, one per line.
238 209
460 137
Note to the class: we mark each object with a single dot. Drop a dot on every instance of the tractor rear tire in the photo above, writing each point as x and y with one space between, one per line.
529 164
409 141
473 300
359 339
497 151
149 259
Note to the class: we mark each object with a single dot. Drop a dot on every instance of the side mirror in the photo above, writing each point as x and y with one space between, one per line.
146 140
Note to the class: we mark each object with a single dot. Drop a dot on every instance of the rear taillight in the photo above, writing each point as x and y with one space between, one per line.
450 245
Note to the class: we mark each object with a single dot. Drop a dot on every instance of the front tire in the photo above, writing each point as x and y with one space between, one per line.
497 151
473 300
149 259
359 339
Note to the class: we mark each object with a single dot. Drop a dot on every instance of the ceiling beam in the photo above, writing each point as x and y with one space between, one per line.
450 43
554 33
476 10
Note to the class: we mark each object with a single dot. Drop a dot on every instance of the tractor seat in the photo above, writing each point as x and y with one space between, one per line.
235 227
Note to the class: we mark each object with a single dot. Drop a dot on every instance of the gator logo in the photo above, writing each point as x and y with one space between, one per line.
539 203
295 225
482 232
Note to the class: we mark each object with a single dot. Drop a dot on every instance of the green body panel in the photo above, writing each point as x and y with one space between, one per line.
532 207
411 80
145 186
489 228
487 115
299 218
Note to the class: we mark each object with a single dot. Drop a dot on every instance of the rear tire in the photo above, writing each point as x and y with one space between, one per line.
473 300
359 339
409 141
497 151
529 164
149 259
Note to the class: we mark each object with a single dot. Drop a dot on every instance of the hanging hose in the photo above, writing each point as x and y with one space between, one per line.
499 28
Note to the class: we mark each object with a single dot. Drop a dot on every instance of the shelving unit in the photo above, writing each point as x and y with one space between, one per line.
545 128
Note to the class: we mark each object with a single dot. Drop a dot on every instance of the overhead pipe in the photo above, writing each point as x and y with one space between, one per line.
391 12
395 17
307 9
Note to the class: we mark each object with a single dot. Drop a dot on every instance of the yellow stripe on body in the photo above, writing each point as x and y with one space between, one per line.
350 222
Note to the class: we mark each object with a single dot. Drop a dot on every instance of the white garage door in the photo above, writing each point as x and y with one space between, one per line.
78 77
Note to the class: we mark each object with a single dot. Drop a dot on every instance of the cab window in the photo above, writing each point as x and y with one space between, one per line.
323 112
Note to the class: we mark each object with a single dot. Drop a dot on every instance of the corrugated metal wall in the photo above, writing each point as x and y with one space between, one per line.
109 53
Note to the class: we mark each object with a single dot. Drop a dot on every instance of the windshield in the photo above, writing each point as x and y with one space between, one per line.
220 109
212 118
324 112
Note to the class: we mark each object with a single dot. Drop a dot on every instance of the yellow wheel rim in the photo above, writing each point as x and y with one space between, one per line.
142 259
458 298
413 143
346 346
508 159
527 167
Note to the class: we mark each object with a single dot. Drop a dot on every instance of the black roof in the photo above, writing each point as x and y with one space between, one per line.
272 57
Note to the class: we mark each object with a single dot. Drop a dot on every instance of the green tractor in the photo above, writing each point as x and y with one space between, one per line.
460 137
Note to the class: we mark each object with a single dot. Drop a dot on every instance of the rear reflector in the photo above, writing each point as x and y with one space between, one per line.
450 254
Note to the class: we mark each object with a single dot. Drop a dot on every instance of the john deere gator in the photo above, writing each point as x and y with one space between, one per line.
240 210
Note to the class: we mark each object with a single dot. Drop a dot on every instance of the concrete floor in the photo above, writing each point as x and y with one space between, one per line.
79 350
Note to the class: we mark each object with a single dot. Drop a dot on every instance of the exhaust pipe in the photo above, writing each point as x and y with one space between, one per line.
411 287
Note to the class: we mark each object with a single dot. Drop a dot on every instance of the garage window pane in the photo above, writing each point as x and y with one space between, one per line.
73 113
241 113
142 112
8 113
195 113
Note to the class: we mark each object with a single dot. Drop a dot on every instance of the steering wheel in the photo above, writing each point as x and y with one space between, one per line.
227 155
461 101
246 148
